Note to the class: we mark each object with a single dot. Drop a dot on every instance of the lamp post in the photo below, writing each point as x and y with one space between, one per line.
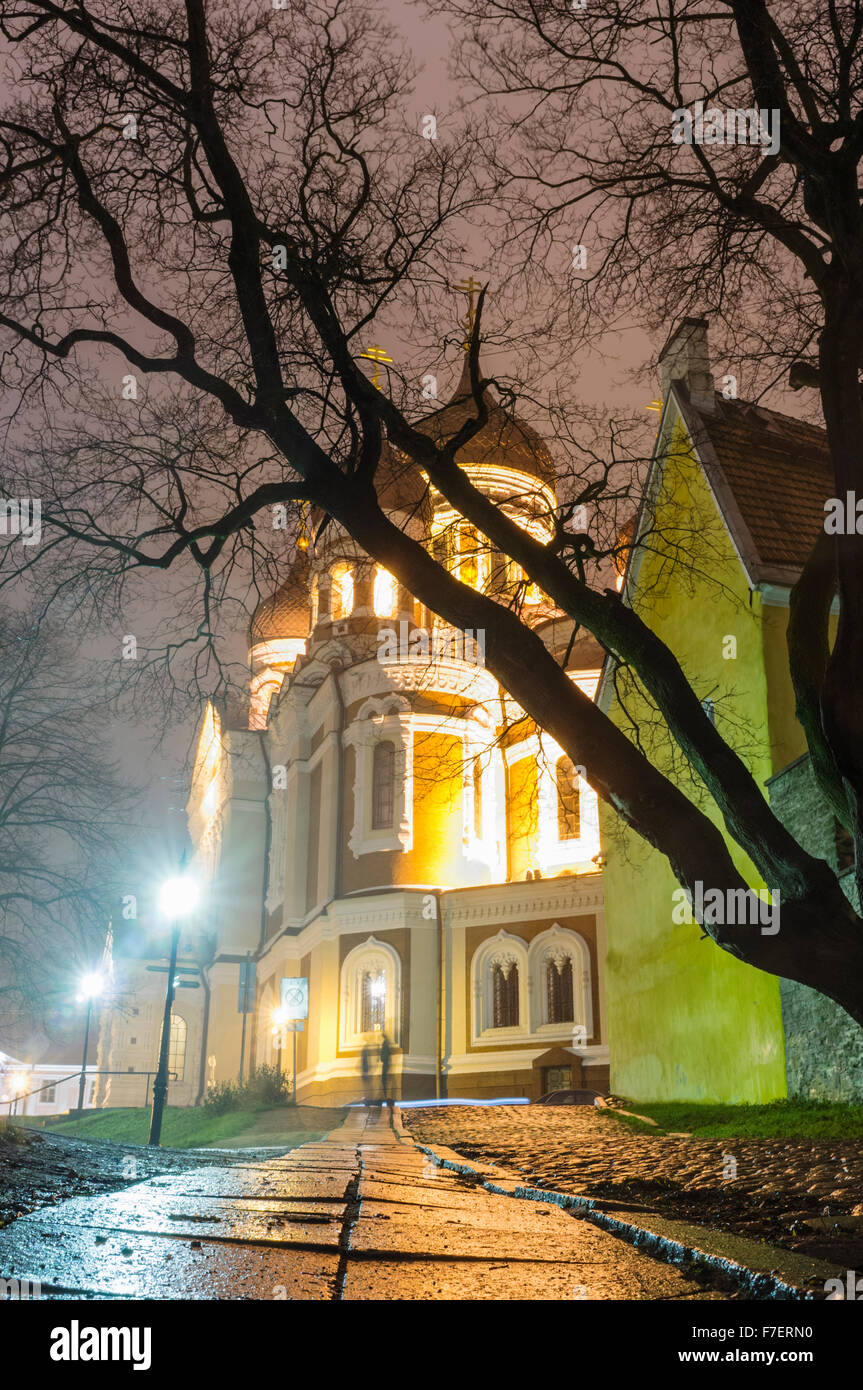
91 987
177 899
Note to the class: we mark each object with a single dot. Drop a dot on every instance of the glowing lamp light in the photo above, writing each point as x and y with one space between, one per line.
91 986
18 1082
178 896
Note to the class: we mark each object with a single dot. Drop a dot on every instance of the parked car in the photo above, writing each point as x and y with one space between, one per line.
569 1098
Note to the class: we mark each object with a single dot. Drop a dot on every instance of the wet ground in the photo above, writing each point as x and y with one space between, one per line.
362 1215
39 1170
802 1195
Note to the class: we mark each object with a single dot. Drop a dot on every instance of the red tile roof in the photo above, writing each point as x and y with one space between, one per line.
778 472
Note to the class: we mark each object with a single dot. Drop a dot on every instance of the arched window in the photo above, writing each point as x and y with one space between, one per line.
568 800
315 598
370 994
477 799
558 986
383 785
385 594
177 1048
504 993
373 1001
342 592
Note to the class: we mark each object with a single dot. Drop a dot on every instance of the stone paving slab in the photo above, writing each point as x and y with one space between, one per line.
281 1185
144 1266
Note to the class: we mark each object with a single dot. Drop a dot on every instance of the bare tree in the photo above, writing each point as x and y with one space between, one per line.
60 801
272 202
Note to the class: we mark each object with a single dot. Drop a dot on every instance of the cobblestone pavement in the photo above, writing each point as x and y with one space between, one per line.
361 1215
778 1187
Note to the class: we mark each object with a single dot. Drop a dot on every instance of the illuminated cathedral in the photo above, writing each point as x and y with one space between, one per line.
386 824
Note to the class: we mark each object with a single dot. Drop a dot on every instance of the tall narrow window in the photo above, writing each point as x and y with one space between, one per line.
468 571
385 594
373 1001
342 593
477 799
383 786
558 987
504 994
568 800
177 1047
315 597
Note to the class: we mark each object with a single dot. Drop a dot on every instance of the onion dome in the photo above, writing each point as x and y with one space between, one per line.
287 612
399 484
503 439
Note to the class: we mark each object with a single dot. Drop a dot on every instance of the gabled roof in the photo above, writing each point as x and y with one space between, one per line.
770 475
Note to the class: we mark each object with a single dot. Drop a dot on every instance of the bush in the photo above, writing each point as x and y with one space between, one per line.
265 1087
222 1098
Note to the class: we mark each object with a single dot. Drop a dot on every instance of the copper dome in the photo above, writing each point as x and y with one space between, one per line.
503 439
287 612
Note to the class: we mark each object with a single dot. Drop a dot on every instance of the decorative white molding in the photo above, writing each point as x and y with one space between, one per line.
465 1063
429 676
561 941
379 958
362 735
509 952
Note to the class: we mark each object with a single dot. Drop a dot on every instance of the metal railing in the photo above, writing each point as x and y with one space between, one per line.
76 1076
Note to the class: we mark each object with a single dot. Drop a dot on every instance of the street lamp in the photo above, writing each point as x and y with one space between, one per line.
91 987
280 1019
178 897
18 1085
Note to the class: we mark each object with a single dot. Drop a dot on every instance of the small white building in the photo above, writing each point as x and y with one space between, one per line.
47 1087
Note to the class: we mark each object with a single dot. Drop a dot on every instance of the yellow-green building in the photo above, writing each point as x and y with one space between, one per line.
732 505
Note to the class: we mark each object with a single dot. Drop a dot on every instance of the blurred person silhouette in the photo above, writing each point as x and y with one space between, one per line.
386 1055
366 1063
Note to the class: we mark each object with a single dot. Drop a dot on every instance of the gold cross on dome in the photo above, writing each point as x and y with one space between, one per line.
377 355
470 287
655 405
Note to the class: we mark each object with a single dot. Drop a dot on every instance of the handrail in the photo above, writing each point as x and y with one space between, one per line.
75 1075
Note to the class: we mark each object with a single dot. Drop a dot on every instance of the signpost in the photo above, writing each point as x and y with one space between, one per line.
295 1008
246 1002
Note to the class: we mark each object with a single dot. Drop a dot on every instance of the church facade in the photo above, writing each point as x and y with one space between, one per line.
385 824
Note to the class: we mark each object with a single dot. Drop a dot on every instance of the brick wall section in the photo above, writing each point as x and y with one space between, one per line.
823 1046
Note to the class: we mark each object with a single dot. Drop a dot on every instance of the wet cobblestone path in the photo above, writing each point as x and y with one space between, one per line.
360 1215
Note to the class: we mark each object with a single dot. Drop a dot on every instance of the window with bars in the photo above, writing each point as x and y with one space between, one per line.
558 988
373 1001
504 995
383 785
568 800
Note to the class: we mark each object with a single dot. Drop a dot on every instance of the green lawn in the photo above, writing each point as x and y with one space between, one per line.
782 1119
195 1128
